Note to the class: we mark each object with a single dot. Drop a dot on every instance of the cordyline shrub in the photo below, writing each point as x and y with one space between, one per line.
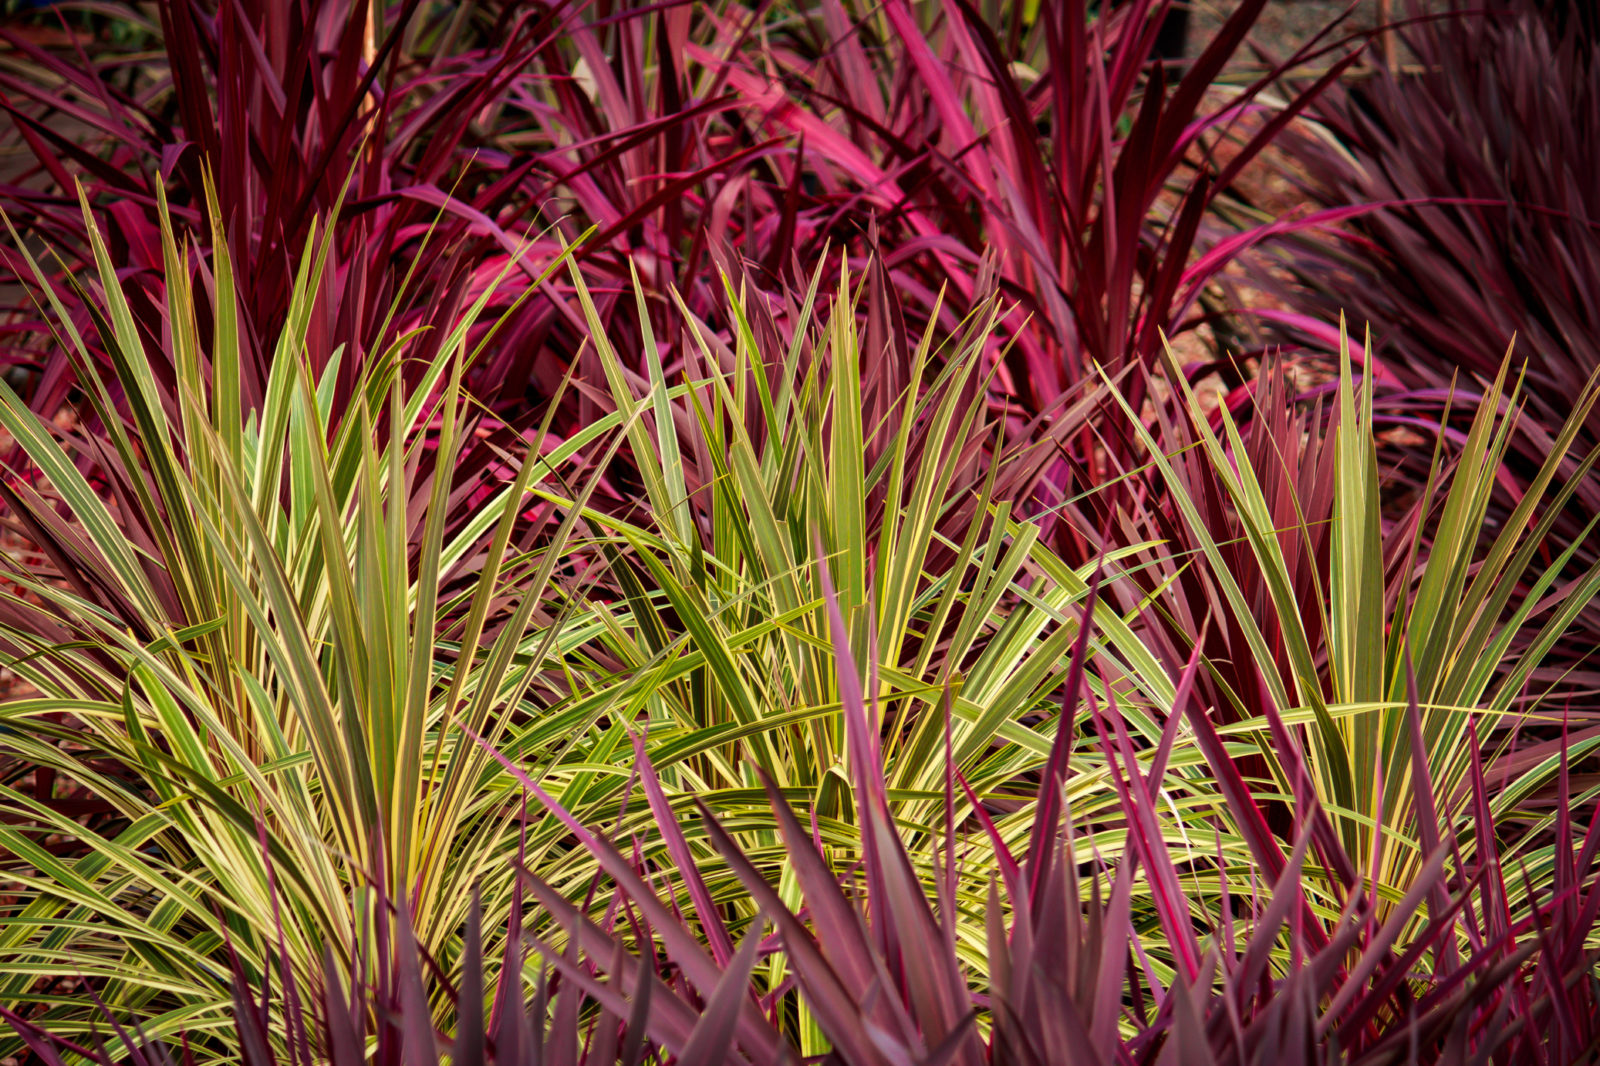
1047 139
1281 531
1486 228
450 142
251 623
927 135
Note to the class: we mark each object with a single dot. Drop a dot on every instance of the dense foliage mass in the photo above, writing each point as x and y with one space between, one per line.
1489 232
727 532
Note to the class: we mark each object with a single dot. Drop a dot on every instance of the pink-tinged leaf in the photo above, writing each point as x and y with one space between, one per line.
683 947
1010 870
470 1046
678 848
1188 1045
903 922
1118 933
667 1019
1200 273
835 1002
935 81
712 1039
1172 905
1429 827
1327 335
1378 950
1198 79
1047 817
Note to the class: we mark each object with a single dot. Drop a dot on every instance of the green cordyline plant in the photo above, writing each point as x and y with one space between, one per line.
1393 651
717 660
244 649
